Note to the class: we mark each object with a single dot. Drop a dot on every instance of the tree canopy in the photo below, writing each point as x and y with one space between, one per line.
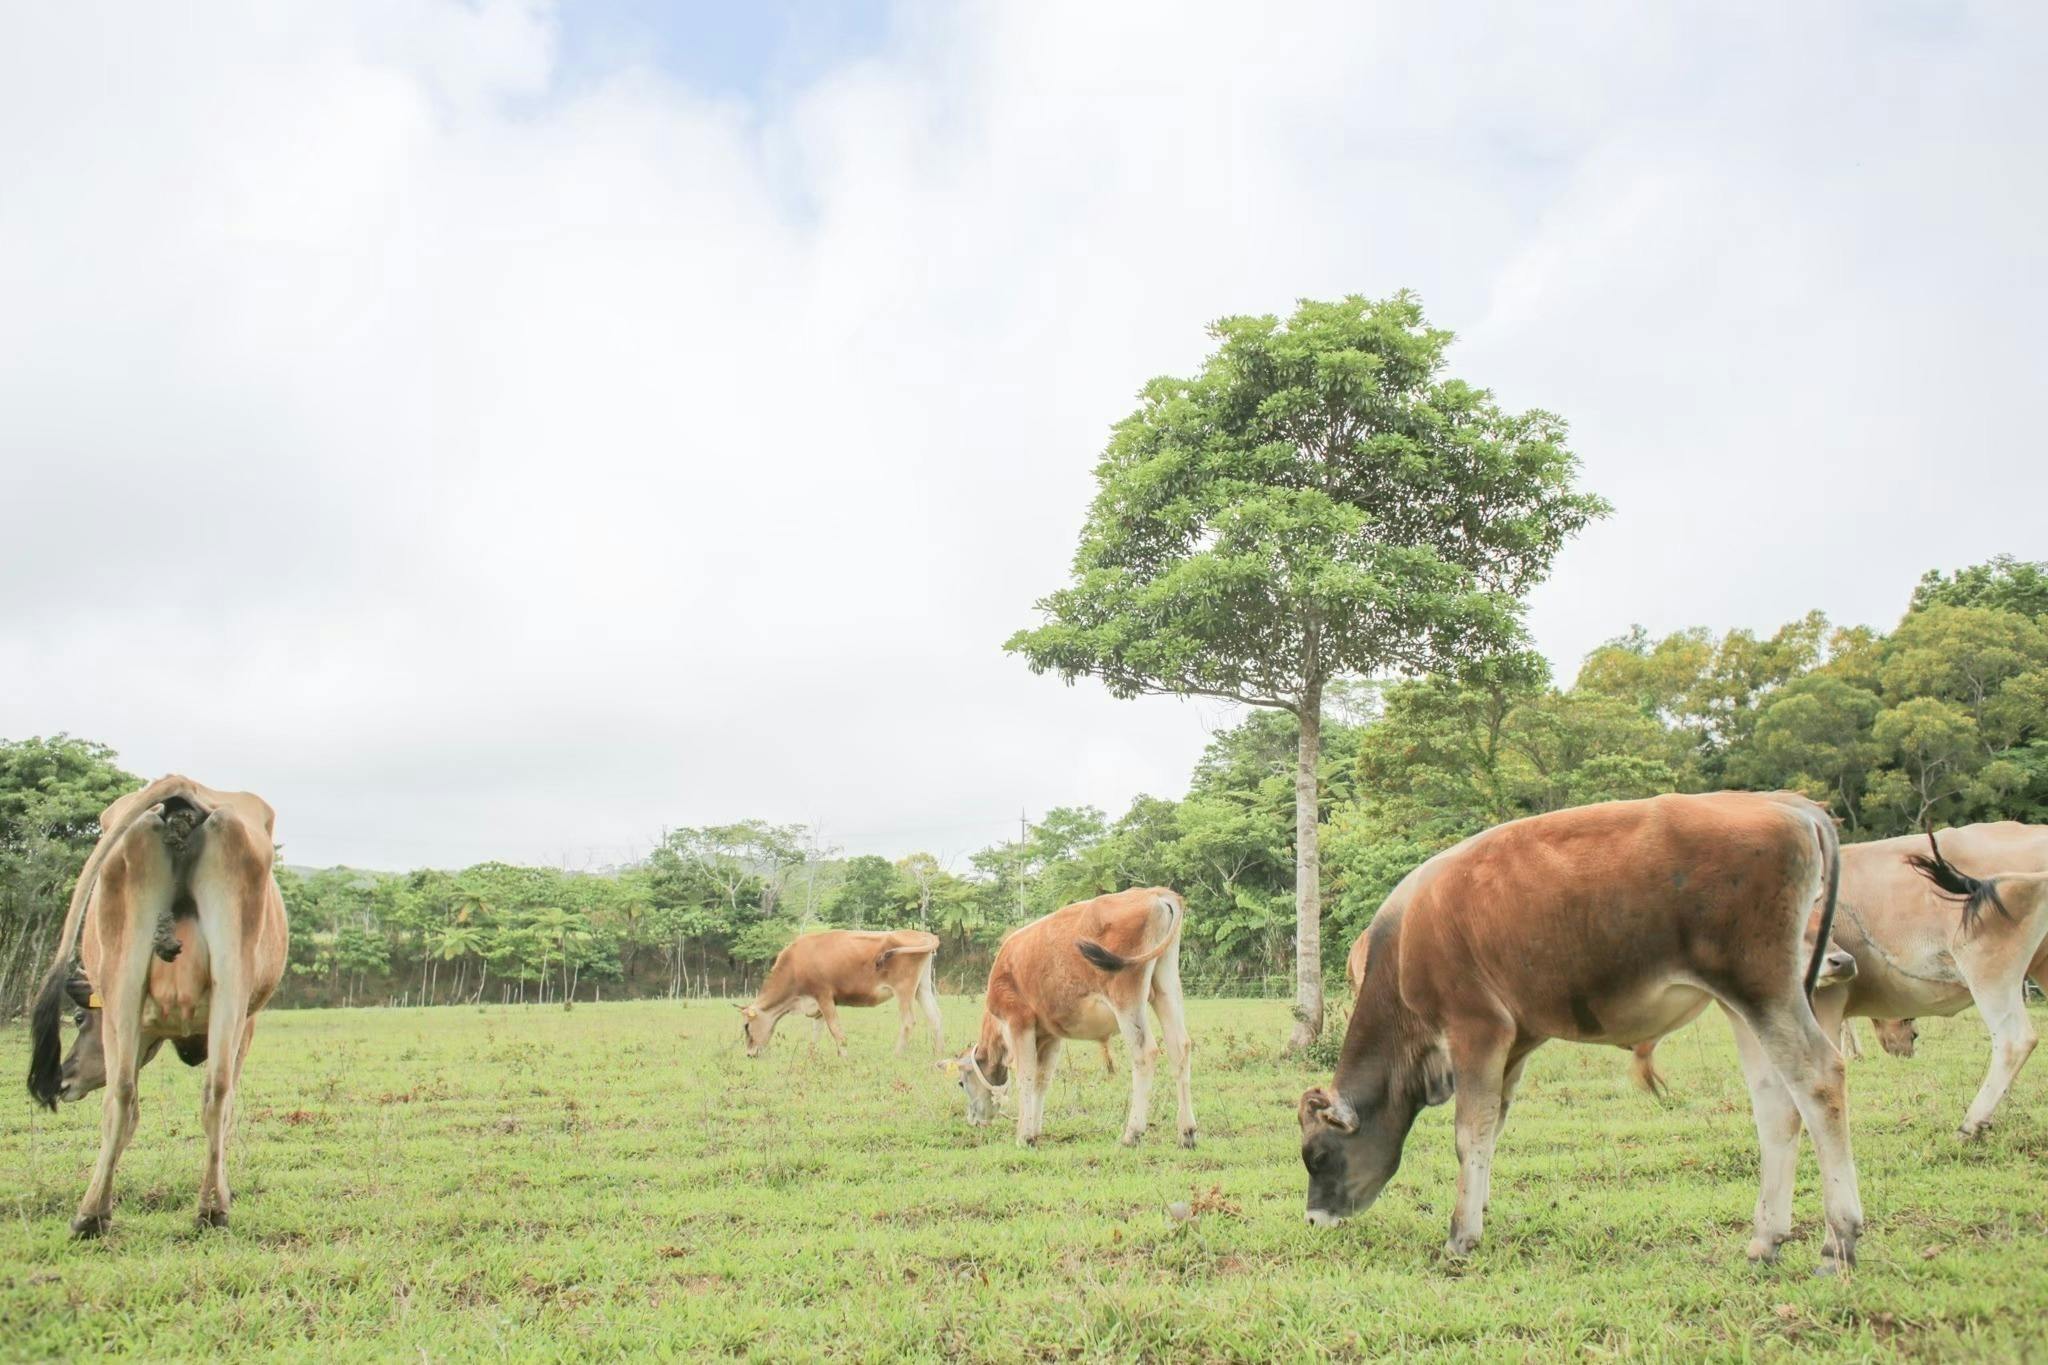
1319 501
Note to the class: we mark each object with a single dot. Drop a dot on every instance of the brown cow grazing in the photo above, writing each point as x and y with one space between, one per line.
1915 956
856 967
1086 972
1607 924
181 871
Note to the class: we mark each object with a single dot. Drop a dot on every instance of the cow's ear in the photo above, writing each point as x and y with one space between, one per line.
949 1065
1438 1084
1329 1109
80 991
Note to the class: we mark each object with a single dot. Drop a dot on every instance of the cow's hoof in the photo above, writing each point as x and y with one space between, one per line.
1132 1137
213 1218
1764 1250
1830 1266
1459 1248
1970 1132
1187 1138
90 1225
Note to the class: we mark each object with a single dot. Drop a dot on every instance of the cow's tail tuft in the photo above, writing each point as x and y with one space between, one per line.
1102 958
929 950
45 1051
1956 884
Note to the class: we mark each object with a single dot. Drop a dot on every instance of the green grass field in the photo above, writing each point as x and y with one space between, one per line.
619 1180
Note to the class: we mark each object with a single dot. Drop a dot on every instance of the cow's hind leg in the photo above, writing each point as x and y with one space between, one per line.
1024 1083
1777 1133
1180 1048
1479 1068
928 1001
1813 1075
134 891
1041 1081
228 883
1144 1052
2000 990
906 1020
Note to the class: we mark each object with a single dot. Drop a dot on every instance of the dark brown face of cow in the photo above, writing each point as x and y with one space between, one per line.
1898 1036
1350 1150
85 1066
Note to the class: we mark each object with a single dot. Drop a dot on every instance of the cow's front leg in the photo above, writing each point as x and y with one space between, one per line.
1048 1062
828 1014
1479 1072
1024 1083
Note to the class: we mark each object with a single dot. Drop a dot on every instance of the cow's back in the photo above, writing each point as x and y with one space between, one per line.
1039 965
1547 916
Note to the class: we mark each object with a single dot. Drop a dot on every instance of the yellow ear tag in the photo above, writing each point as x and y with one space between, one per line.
952 1066
92 1002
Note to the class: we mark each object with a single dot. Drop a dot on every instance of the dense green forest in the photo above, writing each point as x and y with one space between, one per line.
1943 720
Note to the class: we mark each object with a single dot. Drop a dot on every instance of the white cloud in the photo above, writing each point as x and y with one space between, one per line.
480 464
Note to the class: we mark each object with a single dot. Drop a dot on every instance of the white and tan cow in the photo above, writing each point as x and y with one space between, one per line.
819 972
1086 971
181 872
1915 956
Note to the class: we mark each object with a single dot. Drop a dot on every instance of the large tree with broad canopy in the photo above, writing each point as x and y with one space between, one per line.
1319 501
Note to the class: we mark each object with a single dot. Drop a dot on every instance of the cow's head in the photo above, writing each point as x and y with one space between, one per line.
983 1079
756 1028
1897 1036
85 1066
1836 967
1351 1142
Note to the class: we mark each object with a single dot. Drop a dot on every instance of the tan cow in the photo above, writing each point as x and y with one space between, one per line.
1914 957
819 972
1611 923
1085 971
182 871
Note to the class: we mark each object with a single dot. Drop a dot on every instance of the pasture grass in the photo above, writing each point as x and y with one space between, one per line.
618 1180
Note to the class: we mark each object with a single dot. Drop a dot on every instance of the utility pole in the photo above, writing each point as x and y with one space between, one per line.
1023 837
810 871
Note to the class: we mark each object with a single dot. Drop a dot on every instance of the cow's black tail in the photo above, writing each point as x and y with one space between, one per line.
1103 958
1957 884
1831 848
45 1050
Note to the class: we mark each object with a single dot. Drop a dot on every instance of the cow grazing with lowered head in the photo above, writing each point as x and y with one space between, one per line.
1914 955
1085 971
1613 924
176 932
818 973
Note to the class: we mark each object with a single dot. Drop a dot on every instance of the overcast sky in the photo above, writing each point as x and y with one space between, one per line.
501 431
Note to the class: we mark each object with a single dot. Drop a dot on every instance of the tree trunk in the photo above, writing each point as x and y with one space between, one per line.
1308 871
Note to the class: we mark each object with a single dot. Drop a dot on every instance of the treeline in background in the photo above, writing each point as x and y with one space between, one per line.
1944 720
